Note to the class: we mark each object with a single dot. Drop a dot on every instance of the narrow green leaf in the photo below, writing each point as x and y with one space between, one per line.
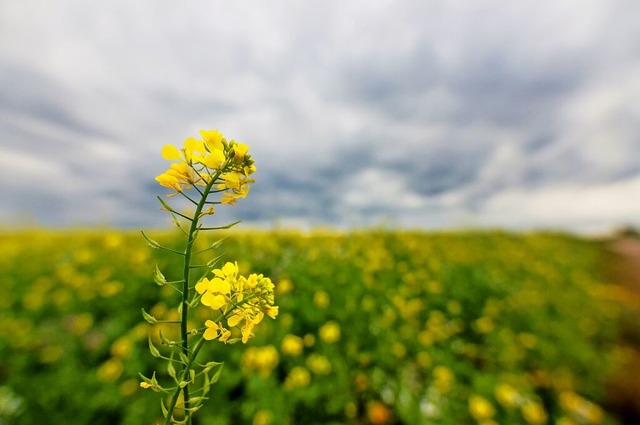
159 277
151 242
207 384
164 204
171 370
165 412
216 375
153 349
149 318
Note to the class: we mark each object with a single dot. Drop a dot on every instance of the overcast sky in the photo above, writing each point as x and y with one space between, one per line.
430 114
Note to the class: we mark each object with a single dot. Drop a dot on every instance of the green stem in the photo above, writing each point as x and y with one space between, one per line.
191 237
183 376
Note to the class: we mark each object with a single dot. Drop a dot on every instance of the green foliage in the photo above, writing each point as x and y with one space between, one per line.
392 327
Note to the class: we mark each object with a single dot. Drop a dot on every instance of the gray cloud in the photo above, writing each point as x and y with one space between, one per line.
420 113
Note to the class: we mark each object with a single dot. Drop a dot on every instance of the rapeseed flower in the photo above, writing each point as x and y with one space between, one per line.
292 345
480 408
243 301
212 160
330 332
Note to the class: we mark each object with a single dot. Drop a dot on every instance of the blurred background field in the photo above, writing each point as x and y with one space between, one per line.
375 327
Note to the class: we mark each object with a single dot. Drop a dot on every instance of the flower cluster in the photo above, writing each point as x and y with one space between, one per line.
210 162
243 301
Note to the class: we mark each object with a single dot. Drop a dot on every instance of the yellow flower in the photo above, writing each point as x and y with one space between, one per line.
319 364
145 385
534 413
443 377
507 395
321 299
169 181
260 359
262 417
213 139
170 152
480 408
215 330
292 345
228 271
214 292
110 370
240 150
298 377
330 332
243 300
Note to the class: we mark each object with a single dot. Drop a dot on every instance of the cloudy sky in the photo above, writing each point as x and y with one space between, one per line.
412 113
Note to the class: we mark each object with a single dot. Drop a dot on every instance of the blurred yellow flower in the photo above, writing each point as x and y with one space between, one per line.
260 359
292 345
506 395
534 413
443 379
262 417
110 370
321 299
480 408
319 364
330 332
298 377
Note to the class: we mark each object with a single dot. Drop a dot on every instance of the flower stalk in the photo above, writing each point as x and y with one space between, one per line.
218 169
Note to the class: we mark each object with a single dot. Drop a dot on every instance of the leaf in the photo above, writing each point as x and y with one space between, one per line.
170 369
165 412
159 277
164 204
153 349
216 375
149 318
151 242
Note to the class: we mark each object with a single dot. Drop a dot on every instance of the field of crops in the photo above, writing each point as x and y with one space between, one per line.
375 327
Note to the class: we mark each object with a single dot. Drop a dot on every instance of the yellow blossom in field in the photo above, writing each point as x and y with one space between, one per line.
443 379
145 385
321 299
581 408
298 377
565 421
330 332
319 364
507 396
424 359
292 345
309 340
262 417
121 347
284 287
110 370
480 408
534 413
260 359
